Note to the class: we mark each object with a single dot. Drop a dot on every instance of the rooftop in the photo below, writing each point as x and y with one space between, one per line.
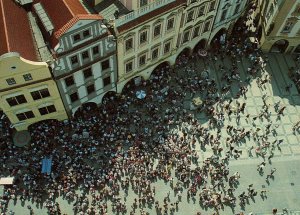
16 35
107 8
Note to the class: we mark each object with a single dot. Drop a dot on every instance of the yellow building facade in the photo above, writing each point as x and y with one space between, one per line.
28 94
280 26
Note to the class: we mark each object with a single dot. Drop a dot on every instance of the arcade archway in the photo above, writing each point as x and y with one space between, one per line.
183 56
85 109
297 49
279 46
219 39
200 45
132 84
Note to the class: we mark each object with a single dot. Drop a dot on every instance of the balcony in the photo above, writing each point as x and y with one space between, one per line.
141 11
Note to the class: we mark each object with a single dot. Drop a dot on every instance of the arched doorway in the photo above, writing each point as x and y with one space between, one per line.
183 57
219 39
200 46
160 71
109 96
85 110
297 49
132 84
279 46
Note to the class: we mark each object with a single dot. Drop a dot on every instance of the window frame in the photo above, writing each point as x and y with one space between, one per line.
188 17
103 63
16 100
25 115
154 30
27 77
93 50
199 10
198 32
48 110
143 56
73 58
143 32
87 72
152 51
69 78
11 81
126 47
169 48
210 9
91 86
131 63
105 84
184 39
168 28
38 94
71 96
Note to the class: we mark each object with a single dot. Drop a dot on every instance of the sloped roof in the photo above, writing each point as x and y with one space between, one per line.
64 14
69 24
16 35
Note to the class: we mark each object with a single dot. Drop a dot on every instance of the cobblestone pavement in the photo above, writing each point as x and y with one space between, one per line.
284 190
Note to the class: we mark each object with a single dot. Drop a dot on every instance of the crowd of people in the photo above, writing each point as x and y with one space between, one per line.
129 143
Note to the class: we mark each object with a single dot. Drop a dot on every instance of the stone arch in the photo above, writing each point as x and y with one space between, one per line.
185 53
297 49
157 69
279 46
219 39
132 83
200 45
108 96
84 107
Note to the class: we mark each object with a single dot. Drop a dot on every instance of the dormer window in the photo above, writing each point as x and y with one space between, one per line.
86 33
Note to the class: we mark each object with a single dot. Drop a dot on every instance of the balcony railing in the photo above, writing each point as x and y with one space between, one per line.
141 11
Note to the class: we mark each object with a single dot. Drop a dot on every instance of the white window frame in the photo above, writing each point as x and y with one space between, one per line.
127 62
144 54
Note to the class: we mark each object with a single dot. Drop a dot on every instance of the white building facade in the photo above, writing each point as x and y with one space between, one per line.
86 65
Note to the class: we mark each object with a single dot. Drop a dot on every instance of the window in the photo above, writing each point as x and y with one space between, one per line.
170 23
196 31
25 115
143 37
142 60
129 66
69 81
40 94
157 30
143 3
76 38
90 89
85 55
47 110
167 47
237 8
87 73
270 13
74 60
154 53
105 65
17 100
212 6
95 50
27 77
193 1
224 14
129 44
190 16
206 26
288 27
106 81
86 33
186 36
74 97
11 81
201 11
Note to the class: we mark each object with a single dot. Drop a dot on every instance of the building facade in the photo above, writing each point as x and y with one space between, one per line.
146 36
85 66
196 24
28 94
227 14
280 26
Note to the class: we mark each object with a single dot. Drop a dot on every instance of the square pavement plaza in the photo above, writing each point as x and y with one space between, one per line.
284 190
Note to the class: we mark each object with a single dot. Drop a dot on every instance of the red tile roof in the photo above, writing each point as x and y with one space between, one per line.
69 24
15 34
63 15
